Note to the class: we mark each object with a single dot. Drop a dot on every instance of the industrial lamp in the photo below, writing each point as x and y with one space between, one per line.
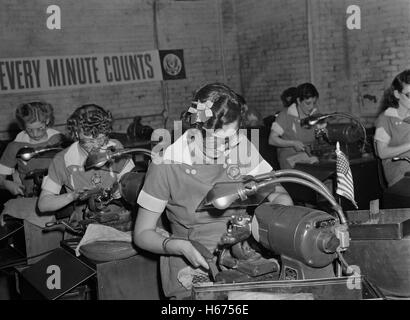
401 159
27 153
100 158
223 195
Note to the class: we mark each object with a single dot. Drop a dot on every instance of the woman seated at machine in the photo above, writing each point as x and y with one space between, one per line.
35 119
292 140
89 126
289 97
204 155
392 138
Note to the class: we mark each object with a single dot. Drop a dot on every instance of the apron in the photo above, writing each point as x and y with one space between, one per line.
290 122
206 227
307 136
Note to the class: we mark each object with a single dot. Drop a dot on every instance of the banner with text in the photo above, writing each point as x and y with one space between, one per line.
18 75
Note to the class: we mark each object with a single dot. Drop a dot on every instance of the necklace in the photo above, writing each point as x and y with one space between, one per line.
209 158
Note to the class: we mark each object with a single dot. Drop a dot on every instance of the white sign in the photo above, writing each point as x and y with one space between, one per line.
66 72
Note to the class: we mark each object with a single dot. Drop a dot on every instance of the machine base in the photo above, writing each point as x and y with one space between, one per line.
295 270
322 289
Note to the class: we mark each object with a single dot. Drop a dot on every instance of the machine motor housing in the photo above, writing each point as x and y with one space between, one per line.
300 233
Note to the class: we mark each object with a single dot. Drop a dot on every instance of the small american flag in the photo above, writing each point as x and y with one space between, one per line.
345 186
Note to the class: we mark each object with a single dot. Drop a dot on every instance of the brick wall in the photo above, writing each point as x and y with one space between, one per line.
259 47
201 28
207 32
330 55
382 47
345 58
274 49
87 27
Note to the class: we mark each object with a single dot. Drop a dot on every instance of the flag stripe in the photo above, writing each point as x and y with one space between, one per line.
344 190
345 187
345 182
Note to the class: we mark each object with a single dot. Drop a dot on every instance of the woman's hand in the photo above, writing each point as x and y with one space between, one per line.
145 237
49 201
14 187
298 145
73 195
185 248
83 194
314 159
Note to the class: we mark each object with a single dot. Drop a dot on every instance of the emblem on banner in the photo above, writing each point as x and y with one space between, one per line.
172 64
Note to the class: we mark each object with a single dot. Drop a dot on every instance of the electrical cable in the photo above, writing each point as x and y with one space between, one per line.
24 260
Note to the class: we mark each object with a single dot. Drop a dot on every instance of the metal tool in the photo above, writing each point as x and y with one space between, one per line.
62 226
209 257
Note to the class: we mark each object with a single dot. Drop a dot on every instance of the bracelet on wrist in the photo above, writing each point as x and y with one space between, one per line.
164 244
168 239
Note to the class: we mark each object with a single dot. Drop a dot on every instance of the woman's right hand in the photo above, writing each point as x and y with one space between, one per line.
298 145
15 188
74 195
185 248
